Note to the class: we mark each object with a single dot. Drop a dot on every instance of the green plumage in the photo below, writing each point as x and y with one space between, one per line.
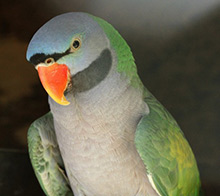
46 159
166 153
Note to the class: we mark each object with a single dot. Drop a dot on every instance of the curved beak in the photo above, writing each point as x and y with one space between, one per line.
55 79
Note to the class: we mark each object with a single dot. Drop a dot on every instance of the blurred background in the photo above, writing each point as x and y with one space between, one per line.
176 44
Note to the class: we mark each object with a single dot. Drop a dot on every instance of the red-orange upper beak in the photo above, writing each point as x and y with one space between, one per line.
54 79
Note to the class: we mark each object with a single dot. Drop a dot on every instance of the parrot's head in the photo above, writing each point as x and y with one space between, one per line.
67 52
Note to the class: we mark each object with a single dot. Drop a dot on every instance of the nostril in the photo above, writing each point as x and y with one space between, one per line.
49 61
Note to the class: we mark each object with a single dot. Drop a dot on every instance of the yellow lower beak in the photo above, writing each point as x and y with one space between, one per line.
54 79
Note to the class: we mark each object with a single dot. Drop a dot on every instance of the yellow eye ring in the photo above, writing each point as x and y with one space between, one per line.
76 44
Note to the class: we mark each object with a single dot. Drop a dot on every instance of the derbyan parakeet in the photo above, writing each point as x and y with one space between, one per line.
106 134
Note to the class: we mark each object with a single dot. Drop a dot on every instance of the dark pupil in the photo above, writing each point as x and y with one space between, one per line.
76 44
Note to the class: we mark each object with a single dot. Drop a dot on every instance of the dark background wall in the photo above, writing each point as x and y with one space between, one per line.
176 45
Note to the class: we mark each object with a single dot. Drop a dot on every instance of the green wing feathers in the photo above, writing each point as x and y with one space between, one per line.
166 153
46 159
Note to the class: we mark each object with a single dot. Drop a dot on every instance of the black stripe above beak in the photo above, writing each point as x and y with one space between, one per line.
41 57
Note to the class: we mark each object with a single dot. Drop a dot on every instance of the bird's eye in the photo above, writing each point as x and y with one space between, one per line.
76 44
49 61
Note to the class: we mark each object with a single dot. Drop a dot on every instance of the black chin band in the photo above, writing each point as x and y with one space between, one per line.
94 74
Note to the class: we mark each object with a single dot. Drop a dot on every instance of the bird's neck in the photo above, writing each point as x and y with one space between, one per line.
113 96
113 102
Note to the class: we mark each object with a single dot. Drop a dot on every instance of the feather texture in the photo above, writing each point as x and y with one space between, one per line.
45 157
166 153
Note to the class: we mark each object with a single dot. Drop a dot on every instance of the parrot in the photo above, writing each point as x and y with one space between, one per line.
105 133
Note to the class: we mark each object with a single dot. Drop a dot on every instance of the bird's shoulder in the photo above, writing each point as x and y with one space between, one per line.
168 158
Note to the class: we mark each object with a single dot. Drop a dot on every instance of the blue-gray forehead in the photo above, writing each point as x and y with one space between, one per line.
56 34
